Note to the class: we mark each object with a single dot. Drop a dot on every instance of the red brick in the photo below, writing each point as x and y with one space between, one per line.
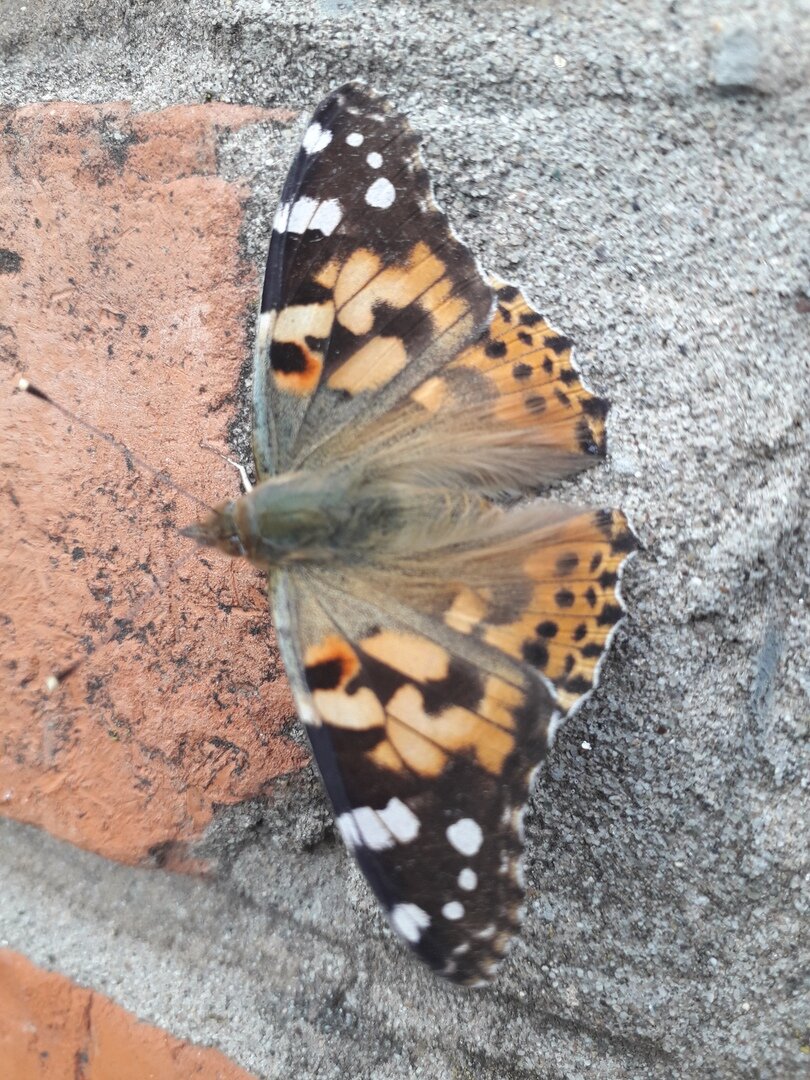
51 1029
126 298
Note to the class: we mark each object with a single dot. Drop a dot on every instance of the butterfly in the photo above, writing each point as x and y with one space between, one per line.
436 628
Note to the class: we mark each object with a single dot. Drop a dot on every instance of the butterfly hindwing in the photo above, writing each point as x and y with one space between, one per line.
366 287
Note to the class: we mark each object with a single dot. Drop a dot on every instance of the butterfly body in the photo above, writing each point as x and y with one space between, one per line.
436 626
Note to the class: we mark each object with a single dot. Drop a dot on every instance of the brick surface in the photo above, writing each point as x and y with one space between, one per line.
127 299
51 1029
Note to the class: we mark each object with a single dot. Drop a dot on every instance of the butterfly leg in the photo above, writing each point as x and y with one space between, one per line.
246 484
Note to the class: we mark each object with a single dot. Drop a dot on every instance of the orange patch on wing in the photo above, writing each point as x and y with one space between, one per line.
301 382
293 329
445 309
414 656
529 367
467 611
418 753
372 366
574 604
454 730
362 286
352 311
295 322
331 664
431 395
360 711
500 701
386 757
328 275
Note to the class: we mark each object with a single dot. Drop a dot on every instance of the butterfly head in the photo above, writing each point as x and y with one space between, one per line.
219 530
283 519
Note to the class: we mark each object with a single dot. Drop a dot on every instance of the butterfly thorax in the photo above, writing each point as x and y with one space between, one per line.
322 518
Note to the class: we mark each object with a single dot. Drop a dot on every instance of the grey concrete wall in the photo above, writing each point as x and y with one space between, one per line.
643 169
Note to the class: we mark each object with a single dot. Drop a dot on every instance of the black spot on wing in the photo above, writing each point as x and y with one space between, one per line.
383 680
586 441
609 615
558 344
596 407
462 687
326 675
310 292
623 543
288 357
535 653
508 293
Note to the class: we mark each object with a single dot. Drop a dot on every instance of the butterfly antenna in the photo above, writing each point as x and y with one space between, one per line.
24 386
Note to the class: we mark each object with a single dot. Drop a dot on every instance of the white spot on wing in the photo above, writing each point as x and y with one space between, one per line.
354 139
454 910
308 213
401 820
348 830
381 194
379 829
363 828
282 217
300 214
327 217
374 159
409 920
468 879
316 139
465 836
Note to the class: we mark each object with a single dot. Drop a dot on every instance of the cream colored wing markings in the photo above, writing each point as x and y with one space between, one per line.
416 736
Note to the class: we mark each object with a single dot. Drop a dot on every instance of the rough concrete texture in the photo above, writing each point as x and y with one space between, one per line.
51 1029
585 151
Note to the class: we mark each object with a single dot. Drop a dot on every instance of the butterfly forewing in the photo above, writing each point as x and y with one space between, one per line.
366 287
426 740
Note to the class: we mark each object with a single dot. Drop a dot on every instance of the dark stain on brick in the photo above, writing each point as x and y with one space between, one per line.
10 261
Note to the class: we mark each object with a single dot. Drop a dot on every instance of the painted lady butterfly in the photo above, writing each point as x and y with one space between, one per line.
434 638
